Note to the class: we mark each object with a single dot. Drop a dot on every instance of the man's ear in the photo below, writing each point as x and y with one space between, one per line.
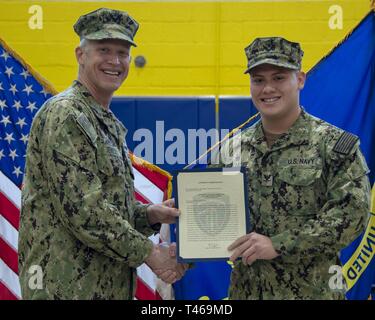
79 55
301 78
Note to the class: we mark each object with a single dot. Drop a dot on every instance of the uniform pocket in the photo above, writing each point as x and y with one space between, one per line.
110 161
300 176
300 193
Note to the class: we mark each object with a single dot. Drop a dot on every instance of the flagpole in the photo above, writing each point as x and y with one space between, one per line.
217 67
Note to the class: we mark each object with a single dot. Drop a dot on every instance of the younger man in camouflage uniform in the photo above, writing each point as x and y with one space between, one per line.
308 189
80 222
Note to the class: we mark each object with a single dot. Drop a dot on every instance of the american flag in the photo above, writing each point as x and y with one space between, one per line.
22 93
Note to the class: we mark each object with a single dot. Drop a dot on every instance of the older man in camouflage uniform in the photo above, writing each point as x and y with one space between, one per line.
308 189
80 222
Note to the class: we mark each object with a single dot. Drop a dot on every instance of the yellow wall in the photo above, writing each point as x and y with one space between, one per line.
192 48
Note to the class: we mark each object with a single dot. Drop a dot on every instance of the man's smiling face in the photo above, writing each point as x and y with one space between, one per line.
104 64
275 90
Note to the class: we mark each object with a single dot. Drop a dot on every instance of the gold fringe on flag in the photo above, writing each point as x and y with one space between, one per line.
45 83
345 38
155 168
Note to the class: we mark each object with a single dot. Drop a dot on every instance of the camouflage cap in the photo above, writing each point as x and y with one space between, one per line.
107 24
274 50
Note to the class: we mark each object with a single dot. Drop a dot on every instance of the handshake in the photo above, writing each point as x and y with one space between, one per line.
162 259
163 263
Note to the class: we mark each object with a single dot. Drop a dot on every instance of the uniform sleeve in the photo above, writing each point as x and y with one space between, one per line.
141 221
342 217
79 200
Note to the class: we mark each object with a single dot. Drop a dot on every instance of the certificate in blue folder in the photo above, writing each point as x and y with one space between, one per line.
214 212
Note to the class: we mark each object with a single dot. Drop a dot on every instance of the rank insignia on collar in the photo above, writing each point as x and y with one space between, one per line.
267 179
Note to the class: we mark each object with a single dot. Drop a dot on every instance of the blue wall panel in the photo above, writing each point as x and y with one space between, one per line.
125 110
158 115
235 111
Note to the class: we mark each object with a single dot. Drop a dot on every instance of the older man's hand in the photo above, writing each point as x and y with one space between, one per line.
163 213
163 263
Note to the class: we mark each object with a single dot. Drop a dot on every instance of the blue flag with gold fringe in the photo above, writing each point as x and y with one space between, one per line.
341 90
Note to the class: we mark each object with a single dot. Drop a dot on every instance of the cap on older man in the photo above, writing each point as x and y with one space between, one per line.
107 24
274 50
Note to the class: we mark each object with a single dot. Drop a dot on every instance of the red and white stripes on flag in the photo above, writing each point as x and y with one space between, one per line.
10 204
152 185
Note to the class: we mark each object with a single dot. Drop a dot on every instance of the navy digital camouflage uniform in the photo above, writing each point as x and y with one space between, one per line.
308 192
79 220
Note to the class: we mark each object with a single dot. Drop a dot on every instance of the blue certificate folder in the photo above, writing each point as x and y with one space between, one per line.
204 216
